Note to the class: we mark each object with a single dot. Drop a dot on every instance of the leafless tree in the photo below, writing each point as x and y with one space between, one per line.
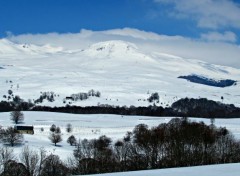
10 136
6 154
16 116
53 166
42 157
56 136
30 159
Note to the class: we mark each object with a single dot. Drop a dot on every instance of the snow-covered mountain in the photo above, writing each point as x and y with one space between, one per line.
119 70
9 48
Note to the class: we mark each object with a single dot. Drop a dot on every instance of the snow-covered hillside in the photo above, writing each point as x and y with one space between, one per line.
219 170
119 70
8 48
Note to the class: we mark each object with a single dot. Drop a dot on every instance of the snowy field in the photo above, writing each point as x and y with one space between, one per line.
211 170
90 126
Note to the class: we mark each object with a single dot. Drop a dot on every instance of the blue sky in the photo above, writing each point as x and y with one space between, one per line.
214 20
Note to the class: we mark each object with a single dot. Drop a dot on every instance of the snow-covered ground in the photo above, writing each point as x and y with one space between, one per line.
123 73
211 170
90 126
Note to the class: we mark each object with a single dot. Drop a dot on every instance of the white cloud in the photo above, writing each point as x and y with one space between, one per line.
135 33
227 36
212 14
220 52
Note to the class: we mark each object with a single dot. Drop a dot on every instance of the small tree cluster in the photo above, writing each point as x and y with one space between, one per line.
49 96
79 96
84 96
154 98
94 93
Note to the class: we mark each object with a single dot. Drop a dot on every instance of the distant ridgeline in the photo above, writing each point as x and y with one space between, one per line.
208 81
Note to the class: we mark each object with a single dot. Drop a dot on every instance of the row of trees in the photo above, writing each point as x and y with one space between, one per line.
179 142
184 108
174 144
84 96
12 137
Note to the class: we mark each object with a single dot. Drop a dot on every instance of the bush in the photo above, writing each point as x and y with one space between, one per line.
53 128
10 92
69 128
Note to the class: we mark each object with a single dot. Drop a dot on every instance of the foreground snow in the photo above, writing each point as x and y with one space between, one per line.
211 170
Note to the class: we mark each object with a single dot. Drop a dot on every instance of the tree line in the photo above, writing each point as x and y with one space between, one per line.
184 108
178 143
187 107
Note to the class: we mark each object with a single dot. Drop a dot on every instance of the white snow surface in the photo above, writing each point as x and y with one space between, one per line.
123 73
210 170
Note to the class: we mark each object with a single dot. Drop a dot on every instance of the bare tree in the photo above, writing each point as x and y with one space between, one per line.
16 116
42 157
53 166
56 136
10 136
69 128
30 159
6 154
72 140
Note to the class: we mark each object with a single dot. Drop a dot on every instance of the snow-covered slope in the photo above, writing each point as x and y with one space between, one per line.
211 170
9 48
124 74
